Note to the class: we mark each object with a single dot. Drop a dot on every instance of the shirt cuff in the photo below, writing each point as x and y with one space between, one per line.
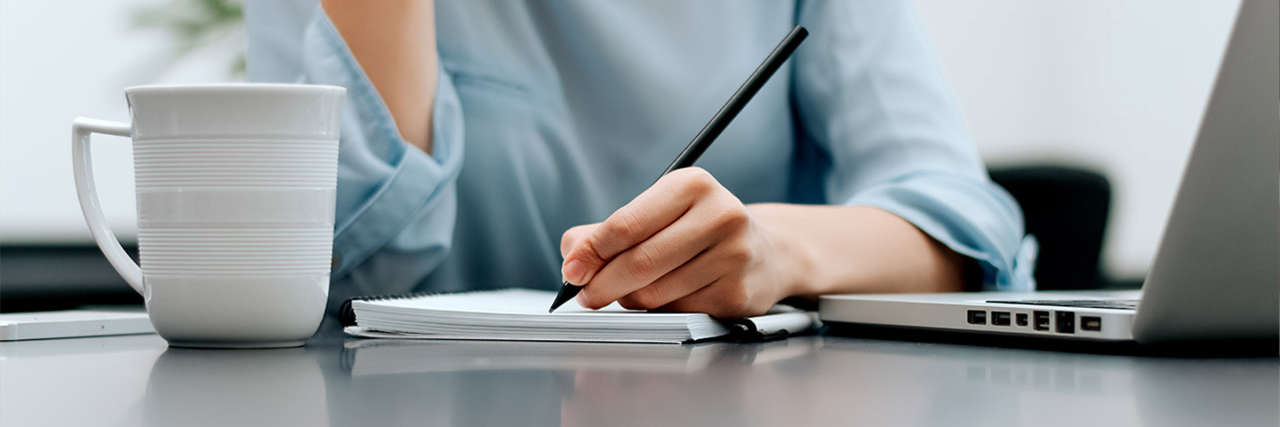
396 180
974 219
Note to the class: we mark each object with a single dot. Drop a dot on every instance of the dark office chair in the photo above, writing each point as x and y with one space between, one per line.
1066 209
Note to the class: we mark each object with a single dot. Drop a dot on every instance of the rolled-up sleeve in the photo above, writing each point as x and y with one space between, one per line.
396 205
871 97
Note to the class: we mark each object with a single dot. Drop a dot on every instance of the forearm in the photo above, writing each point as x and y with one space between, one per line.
395 43
845 249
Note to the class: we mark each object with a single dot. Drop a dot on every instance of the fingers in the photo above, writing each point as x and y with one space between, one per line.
699 272
651 211
725 298
645 263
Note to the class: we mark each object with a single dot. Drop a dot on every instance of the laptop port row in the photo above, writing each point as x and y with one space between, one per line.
1064 321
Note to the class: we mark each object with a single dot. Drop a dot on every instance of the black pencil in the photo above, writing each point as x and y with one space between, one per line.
718 123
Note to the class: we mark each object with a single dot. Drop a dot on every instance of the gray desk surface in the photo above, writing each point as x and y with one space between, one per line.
136 380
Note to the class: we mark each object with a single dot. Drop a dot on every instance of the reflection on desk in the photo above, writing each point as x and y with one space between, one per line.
389 357
231 388
801 381
504 383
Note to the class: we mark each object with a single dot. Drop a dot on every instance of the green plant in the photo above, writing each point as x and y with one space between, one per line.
196 23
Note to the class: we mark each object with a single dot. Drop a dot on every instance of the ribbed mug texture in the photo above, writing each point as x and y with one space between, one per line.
227 205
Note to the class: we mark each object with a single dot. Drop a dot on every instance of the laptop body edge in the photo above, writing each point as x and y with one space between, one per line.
971 312
1215 275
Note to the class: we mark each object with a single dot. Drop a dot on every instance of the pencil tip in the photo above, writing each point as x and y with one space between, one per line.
567 292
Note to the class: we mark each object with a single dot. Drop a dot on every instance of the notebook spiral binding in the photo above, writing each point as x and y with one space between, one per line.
347 315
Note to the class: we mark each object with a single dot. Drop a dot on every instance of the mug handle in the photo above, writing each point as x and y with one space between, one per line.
82 163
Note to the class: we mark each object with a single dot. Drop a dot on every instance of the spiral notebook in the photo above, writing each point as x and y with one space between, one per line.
521 315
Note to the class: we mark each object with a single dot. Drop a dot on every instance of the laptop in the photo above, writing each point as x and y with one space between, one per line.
1215 273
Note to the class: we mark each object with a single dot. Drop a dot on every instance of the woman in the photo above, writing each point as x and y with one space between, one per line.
494 144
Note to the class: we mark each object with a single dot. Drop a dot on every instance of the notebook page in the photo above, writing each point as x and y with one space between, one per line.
513 301
521 315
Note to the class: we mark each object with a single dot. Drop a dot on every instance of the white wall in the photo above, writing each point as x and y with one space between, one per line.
64 58
1116 85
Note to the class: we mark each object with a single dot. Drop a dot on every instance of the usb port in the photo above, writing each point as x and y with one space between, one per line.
1000 318
1022 319
1066 321
1090 323
1042 320
977 317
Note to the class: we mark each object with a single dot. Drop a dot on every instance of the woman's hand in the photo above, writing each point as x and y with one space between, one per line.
685 244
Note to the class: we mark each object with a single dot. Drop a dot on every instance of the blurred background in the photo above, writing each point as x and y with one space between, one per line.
1085 111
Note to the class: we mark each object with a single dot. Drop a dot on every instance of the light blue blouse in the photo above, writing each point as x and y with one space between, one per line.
553 114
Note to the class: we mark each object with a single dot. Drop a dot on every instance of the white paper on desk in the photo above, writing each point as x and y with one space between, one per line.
521 315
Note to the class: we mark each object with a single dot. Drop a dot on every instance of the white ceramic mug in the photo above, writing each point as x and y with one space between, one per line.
235 187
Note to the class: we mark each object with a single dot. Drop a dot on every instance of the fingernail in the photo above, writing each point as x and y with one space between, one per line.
582 297
573 272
